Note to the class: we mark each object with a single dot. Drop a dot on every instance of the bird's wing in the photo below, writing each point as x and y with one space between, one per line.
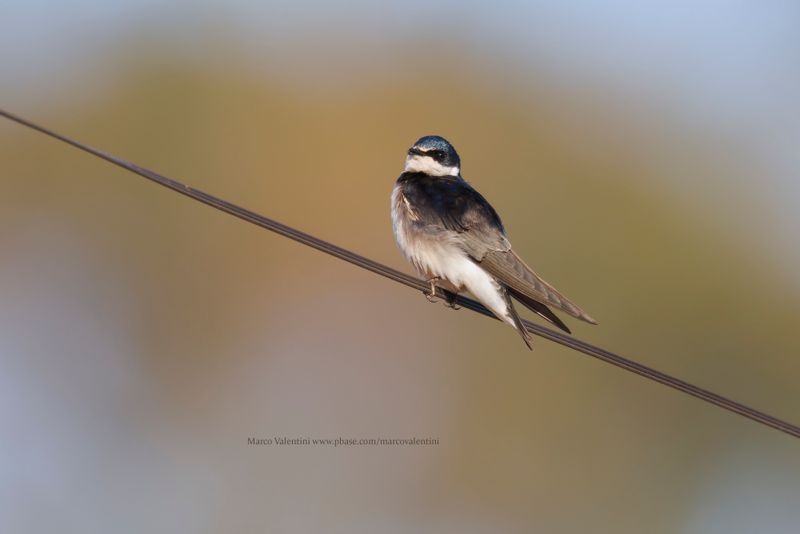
511 271
451 204
454 205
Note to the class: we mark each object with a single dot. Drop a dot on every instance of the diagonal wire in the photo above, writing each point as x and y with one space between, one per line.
415 283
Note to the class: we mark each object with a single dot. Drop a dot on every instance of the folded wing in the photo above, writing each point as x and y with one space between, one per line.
452 205
511 271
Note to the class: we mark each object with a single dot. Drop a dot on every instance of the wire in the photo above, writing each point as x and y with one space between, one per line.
415 283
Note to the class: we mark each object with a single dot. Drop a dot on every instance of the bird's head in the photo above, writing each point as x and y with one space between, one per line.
434 156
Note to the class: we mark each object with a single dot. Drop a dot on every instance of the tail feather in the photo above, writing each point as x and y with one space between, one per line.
539 308
512 312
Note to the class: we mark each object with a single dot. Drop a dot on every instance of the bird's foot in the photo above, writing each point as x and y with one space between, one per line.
432 294
450 299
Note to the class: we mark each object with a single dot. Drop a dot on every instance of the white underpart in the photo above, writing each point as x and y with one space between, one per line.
428 165
445 259
463 272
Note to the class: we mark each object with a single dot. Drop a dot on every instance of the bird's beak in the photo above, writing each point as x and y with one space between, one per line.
415 151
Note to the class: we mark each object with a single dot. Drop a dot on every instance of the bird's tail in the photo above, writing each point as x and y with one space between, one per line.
517 322
539 308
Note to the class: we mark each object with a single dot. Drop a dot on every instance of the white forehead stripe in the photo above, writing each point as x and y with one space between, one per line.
428 165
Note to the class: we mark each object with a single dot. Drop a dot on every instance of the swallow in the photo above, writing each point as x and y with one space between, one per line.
455 240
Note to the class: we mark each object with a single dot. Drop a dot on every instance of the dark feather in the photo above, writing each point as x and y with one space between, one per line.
541 309
512 272
524 334
451 204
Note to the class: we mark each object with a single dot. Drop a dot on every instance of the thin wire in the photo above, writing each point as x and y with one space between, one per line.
415 283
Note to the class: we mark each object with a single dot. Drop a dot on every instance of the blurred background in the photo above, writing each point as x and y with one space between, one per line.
644 160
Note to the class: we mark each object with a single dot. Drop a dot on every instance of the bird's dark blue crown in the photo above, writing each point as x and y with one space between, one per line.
439 148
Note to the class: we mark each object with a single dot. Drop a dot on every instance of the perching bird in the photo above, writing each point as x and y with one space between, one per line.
456 241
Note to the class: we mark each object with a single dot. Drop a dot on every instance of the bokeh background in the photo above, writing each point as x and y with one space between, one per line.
644 158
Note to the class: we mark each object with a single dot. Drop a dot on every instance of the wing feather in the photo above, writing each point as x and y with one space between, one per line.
452 206
511 271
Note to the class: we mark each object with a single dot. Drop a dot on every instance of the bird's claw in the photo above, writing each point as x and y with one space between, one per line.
431 296
450 299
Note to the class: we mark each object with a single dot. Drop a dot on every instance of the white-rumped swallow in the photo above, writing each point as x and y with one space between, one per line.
456 241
